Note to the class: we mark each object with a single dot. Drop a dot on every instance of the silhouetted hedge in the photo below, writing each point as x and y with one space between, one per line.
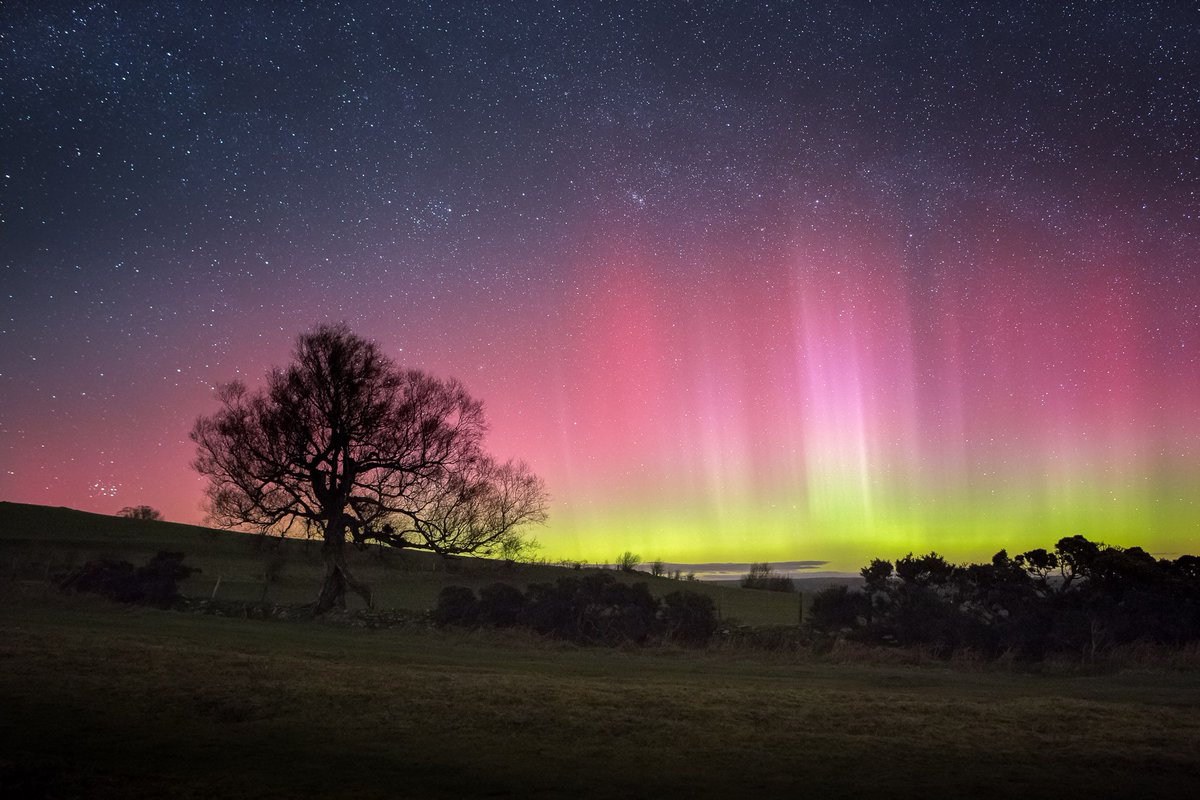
154 584
1083 597
456 606
837 608
688 617
593 609
500 605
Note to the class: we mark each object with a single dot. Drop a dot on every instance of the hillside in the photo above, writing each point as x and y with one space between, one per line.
40 542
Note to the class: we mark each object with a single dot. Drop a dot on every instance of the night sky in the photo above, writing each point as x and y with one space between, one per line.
741 281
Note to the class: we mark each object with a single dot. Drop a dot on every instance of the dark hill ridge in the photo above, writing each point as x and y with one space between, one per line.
58 523
39 542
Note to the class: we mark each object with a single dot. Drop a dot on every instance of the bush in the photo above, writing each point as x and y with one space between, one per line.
836 608
456 605
596 609
103 576
688 618
1082 599
500 605
156 583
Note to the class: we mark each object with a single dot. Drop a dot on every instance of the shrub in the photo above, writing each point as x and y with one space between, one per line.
1082 599
688 617
456 605
103 576
837 608
156 583
593 609
596 609
500 605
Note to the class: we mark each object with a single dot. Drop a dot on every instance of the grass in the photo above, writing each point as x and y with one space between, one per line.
104 701
100 700
37 542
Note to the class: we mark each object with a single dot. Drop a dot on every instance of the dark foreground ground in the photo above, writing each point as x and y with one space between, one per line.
98 700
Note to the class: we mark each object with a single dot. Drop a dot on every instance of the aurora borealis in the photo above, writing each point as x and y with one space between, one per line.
742 282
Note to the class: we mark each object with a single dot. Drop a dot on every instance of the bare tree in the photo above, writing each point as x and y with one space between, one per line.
140 512
628 561
479 508
762 576
348 445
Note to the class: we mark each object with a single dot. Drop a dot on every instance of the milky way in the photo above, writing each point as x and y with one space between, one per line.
741 281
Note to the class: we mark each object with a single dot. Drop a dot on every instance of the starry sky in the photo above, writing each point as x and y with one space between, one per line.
741 281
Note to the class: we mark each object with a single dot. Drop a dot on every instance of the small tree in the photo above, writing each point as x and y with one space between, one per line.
658 568
762 576
927 570
628 561
140 512
876 574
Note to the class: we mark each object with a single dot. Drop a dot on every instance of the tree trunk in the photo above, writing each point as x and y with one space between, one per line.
337 575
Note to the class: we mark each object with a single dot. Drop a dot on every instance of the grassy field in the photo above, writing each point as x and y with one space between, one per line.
100 700
37 542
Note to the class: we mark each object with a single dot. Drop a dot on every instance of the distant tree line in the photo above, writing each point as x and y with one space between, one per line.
1082 597
629 562
593 609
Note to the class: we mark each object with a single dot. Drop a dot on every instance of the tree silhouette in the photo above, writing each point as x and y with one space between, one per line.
1084 598
348 445
140 512
762 576
628 561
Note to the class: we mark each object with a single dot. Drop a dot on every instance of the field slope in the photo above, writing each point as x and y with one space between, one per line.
39 542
